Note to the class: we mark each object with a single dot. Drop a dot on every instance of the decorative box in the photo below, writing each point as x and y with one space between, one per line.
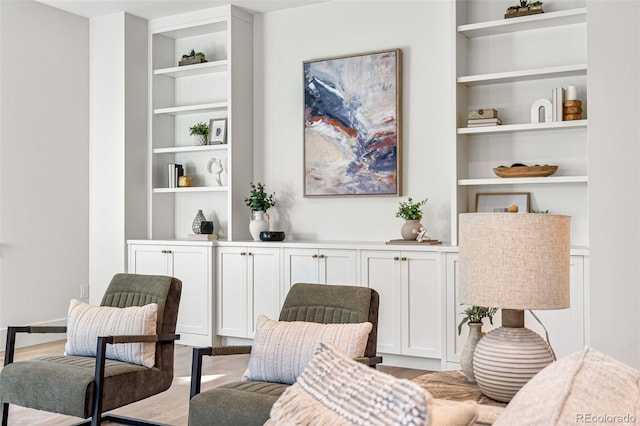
482 113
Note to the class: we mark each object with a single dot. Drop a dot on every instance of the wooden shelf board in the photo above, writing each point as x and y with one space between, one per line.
196 69
525 127
191 189
523 75
512 181
189 109
191 148
524 23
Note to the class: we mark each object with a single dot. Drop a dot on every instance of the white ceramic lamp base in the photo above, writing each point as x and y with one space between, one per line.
506 359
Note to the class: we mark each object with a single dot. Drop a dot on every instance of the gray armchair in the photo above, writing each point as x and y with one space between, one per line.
88 386
249 402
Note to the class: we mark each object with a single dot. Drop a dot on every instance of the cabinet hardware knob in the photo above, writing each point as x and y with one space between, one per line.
396 258
403 258
315 256
249 254
243 253
321 256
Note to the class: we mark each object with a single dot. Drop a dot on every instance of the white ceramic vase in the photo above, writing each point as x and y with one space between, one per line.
410 229
258 224
469 347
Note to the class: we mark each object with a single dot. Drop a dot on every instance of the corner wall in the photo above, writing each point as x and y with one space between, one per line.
614 177
283 40
44 168
118 165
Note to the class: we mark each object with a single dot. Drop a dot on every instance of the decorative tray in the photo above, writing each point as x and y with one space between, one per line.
525 171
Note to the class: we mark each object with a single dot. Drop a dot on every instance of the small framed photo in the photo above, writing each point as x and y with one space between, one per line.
217 131
494 202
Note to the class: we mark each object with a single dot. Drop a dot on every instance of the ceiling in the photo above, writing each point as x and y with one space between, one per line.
149 9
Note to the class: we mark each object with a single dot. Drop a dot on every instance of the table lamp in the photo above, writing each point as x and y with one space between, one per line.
515 262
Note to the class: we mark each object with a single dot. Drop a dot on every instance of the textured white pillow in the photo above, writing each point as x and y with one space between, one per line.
336 390
85 323
583 387
282 349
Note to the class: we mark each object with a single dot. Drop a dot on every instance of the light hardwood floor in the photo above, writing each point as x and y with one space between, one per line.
169 407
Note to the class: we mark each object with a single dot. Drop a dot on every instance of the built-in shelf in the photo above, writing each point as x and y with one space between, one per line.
192 189
189 109
191 148
195 69
525 23
525 127
534 180
524 75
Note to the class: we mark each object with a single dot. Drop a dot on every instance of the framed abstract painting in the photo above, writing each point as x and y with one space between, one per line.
352 125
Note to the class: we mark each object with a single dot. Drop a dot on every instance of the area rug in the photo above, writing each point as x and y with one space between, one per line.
454 386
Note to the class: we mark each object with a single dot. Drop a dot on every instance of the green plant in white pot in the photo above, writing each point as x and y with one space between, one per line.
259 201
411 212
473 316
199 131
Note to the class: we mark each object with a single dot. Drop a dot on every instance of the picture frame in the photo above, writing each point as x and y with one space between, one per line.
352 125
500 201
217 131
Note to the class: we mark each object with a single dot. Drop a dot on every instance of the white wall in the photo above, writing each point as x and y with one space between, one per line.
118 166
283 40
614 177
44 168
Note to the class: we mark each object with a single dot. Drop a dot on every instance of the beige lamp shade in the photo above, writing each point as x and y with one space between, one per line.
514 261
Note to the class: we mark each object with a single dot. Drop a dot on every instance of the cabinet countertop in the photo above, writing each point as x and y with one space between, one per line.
315 244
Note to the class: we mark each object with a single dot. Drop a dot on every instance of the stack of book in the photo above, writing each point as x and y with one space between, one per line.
557 99
175 171
483 117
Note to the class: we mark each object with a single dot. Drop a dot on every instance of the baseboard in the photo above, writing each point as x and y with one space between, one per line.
405 361
26 339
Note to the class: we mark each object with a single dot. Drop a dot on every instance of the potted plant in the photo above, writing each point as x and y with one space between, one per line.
411 212
191 58
259 202
536 5
199 131
473 316
524 6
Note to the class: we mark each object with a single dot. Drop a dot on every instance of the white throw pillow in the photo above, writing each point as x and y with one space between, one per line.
85 323
336 390
282 349
581 388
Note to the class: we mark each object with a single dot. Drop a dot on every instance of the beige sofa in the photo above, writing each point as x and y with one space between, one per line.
586 387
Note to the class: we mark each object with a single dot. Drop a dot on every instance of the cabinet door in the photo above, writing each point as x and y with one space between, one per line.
148 259
264 279
337 267
421 304
300 266
193 266
231 291
381 272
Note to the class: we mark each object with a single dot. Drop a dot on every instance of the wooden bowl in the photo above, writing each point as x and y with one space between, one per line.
522 171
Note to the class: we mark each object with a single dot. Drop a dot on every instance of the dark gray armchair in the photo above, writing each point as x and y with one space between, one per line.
249 402
88 386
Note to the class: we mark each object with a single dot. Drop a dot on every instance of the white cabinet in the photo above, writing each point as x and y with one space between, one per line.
566 327
324 266
507 65
181 96
191 264
409 284
248 284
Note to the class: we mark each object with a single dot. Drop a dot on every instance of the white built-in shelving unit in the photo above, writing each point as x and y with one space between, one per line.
181 96
508 64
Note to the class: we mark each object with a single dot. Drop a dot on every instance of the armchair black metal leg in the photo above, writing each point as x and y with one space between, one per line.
101 352
196 369
5 414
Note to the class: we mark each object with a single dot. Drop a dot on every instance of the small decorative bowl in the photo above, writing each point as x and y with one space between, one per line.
272 236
